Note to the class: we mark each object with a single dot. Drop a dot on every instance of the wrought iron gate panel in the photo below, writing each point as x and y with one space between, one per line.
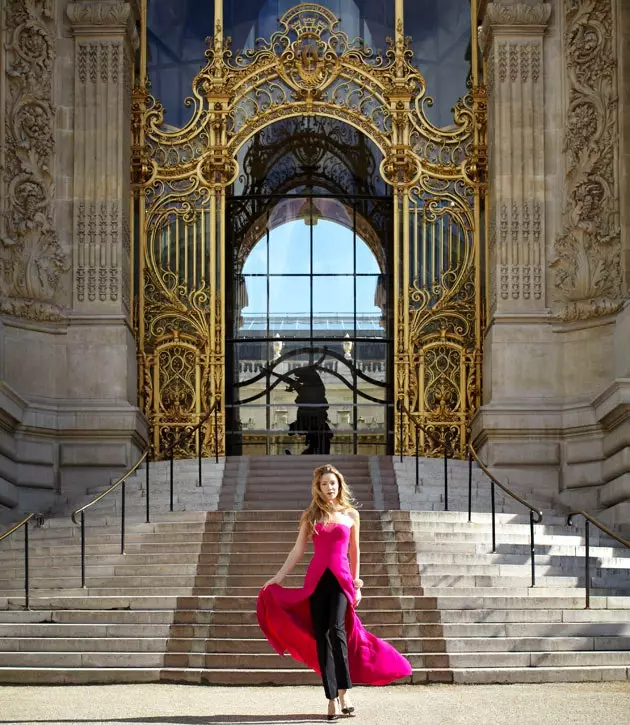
309 68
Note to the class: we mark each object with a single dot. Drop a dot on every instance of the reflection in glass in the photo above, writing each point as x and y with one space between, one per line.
333 297
440 40
176 33
289 249
247 20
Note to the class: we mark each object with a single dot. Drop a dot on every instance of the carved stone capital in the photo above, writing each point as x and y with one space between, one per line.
103 17
513 18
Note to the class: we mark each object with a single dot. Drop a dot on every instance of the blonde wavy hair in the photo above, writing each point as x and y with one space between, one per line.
320 509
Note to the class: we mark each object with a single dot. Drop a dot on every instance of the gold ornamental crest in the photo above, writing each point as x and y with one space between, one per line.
310 60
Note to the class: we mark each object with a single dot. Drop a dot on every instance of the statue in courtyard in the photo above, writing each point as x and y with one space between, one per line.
312 412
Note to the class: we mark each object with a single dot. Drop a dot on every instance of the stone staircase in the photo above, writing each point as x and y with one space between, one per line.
179 606
428 495
278 483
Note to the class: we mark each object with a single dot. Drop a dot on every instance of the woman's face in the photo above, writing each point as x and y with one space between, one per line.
329 486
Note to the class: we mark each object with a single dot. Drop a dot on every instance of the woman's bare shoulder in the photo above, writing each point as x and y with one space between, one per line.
353 514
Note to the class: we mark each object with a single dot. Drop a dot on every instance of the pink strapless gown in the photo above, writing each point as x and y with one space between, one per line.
285 618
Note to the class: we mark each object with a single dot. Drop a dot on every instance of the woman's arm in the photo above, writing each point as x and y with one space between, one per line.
296 553
355 554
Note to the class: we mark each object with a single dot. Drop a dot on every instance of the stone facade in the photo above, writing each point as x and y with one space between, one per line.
67 353
556 385
556 401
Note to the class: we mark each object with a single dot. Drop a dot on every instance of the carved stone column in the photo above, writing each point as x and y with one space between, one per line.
512 36
556 386
105 37
521 357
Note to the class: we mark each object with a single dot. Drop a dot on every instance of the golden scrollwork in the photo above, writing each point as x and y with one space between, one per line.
311 68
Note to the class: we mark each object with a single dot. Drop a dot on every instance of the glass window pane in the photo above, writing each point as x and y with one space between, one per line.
290 248
256 262
333 298
440 40
176 45
372 20
366 261
288 296
253 314
333 248
369 292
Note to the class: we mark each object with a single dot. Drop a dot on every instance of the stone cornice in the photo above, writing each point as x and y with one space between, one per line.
511 13
105 17
514 18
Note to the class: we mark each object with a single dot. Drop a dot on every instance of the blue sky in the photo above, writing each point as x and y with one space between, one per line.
332 254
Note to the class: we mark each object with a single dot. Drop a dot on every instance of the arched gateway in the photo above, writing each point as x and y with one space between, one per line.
305 138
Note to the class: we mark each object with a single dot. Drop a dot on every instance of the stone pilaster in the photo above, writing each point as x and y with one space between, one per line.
104 39
512 37
516 426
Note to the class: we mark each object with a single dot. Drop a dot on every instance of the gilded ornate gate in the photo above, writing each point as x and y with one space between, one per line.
308 68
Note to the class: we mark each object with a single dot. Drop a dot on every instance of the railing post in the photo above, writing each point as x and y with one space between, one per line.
83 549
147 483
588 564
216 433
400 433
532 546
470 470
417 463
26 577
446 439
199 453
494 525
171 485
122 516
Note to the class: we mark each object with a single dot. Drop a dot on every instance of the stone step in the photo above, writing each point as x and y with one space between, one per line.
81 644
535 599
294 676
425 659
602 635
576 617
431 585
81 659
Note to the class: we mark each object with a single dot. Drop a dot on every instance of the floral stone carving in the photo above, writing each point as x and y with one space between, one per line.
587 265
31 258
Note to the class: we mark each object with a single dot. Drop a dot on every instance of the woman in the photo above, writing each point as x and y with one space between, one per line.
317 624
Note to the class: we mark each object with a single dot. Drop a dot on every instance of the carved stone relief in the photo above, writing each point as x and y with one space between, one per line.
31 259
515 13
588 278
512 41
518 216
102 107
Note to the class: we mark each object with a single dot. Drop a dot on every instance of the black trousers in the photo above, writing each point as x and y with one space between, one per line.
328 612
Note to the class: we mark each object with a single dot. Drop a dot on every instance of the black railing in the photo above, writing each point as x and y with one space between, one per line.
39 520
535 515
446 442
120 482
588 519
181 439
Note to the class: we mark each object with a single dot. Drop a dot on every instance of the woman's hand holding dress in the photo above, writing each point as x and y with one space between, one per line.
274 580
357 598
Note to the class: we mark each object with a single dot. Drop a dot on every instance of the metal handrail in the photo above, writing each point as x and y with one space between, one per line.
183 436
39 520
114 485
447 444
100 497
535 515
587 554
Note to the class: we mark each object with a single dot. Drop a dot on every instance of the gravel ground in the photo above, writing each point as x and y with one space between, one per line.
552 704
